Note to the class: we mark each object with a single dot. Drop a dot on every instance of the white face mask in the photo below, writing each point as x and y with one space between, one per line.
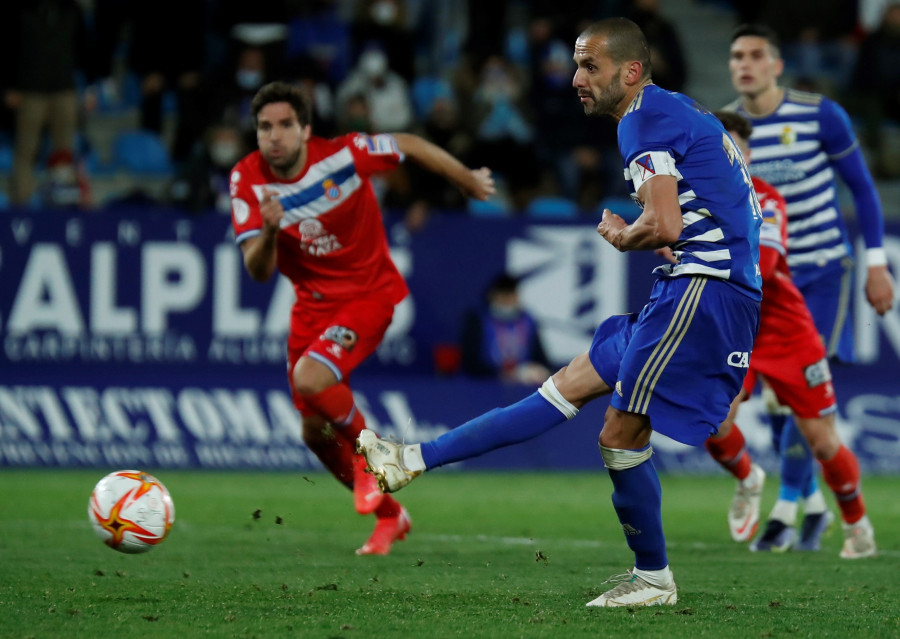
249 79
373 63
224 154
383 12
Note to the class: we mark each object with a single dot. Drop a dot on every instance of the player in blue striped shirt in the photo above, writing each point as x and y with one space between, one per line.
674 367
801 141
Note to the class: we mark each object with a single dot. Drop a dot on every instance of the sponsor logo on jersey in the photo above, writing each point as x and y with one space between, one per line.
739 359
818 373
315 240
332 190
381 144
343 337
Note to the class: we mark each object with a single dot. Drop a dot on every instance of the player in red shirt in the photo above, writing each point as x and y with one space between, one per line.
304 205
790 355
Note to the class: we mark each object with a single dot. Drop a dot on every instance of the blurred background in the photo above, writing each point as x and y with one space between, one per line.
131 335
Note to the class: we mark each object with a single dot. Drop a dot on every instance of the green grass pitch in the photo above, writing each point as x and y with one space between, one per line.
490 555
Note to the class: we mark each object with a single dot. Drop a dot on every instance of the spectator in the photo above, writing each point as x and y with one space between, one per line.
231 91
383 23
203 182
44 44
504 136
386 92
818 38
877 84
581 158
164 68
501 339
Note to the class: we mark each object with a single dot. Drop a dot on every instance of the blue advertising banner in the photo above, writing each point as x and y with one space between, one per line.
136 339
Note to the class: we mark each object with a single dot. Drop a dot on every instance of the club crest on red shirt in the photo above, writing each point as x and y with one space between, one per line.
332 190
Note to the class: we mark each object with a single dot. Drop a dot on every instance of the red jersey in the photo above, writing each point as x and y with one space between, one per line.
332 244
785 320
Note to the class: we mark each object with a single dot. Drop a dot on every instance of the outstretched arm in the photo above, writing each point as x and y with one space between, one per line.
474 183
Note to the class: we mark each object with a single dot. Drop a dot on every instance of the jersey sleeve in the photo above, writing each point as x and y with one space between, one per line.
773 232
836 130
245 216
374 153
650 142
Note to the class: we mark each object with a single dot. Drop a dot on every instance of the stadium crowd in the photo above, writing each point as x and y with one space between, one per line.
490 82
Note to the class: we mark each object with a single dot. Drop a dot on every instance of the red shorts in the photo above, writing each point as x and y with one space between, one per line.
340 336
802 386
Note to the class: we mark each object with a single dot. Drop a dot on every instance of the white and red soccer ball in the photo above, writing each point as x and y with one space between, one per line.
131 511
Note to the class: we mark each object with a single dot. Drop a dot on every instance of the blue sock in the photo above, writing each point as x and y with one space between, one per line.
811 486
776 423
637 498
494 429
797 467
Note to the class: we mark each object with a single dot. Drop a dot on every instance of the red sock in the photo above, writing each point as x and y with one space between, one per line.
335 453
388 508
730 452
841 473
336 404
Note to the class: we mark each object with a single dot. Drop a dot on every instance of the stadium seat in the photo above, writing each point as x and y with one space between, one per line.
141 152
495 207
624 207
552 206
6 156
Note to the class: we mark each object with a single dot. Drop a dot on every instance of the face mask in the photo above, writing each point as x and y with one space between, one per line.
223 154
373 63
384 12
504 311
249 79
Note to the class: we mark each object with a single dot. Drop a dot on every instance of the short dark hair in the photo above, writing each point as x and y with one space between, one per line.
757 30
735 122
503 283
282 92
624 41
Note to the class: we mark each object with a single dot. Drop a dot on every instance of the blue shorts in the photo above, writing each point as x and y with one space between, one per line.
682 359
828 295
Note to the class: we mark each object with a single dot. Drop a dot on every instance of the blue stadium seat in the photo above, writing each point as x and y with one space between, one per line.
624 207
552 206
141 152
495 207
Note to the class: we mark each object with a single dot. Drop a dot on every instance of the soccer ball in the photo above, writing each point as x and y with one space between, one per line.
131 511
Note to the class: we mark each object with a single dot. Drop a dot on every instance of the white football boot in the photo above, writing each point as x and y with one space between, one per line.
385 461
743 516
634 591
859 540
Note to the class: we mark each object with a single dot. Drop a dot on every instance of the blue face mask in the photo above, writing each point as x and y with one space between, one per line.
249 79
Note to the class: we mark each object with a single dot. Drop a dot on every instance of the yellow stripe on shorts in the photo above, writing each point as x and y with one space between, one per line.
675 332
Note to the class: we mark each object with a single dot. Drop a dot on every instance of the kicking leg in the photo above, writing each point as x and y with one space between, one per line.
557 400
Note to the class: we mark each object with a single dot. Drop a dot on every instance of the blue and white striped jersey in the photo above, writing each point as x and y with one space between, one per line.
795 149
667 133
